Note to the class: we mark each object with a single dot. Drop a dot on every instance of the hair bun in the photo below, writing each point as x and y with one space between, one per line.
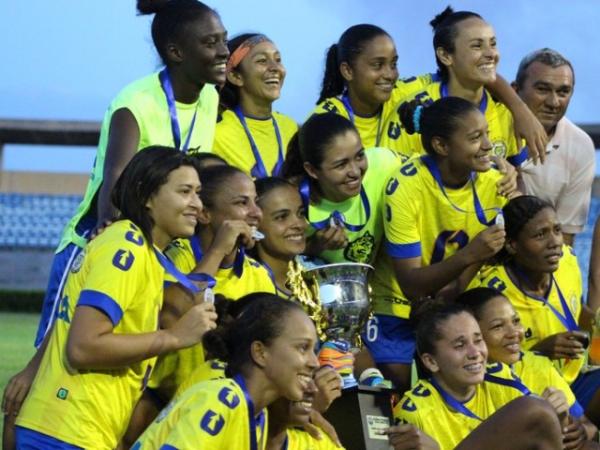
145 7
441 17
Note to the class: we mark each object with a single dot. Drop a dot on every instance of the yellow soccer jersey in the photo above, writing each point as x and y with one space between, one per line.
382 130
301 440
212 415
425 408
363 213
498 117
119 275
423 221
537 318
537 373
246 276
212 369
233 145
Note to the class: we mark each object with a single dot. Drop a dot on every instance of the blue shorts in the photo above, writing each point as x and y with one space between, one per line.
59 270
585 386
390 340
28 439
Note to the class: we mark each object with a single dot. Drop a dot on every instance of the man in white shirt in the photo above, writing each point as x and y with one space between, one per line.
545 82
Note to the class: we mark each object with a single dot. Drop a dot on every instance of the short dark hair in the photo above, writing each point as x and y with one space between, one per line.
476 299
545 56
143 176
213 178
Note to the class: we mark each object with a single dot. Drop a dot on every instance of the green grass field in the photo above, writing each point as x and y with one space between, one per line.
16 345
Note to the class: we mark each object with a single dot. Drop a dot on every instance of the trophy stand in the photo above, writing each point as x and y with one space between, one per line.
360 415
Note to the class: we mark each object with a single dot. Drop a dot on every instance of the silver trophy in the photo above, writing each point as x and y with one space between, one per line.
343 293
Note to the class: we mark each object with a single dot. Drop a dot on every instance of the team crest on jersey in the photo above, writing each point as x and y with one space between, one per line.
499 149
77 262
360 249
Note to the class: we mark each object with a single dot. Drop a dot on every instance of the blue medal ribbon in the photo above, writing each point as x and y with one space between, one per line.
350 111
452 402
339 218
253 420
238 263
482 103
186 281
259 170
437 176
514 383
566 317
167 87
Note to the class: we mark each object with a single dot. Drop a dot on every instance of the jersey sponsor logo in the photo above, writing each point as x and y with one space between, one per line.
392 186
360 249
448 237
123 260
62 393
408 169
499 149
78 262
212 422
408 405
63 309
229 398
330 107
421 391
393 131
497 283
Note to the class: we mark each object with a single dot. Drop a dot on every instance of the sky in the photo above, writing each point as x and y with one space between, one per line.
66 59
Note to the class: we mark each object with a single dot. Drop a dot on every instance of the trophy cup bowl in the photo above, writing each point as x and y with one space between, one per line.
343 292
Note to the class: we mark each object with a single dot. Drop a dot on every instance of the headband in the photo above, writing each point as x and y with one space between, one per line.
242 51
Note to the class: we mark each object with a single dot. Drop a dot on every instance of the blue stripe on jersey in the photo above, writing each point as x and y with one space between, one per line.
167 447
519 158
576 410
103 302
402 250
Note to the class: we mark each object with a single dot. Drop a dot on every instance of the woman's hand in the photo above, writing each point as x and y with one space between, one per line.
508 184
230 234
330 238
329 385
558 401
528 127
574 435
561 345
486 244
408 437
193 324
17 389
318 423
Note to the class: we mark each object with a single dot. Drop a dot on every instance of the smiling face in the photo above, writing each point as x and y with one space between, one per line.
174 209
234 200
502 330
371 76
475 57
202 50
547 91
469 147
283 223
459 358
261 73
290 360
538 246
343 168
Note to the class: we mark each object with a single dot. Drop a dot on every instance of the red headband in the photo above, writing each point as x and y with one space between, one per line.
242 51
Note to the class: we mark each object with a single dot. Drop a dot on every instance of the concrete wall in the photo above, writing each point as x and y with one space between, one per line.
24 269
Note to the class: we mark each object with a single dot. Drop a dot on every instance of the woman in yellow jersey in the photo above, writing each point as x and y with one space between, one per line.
269 354
176 107
503 333
249 134
541 278
101 350
438 226
230 210
341 187
361 83
466 56
460 403
283 225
